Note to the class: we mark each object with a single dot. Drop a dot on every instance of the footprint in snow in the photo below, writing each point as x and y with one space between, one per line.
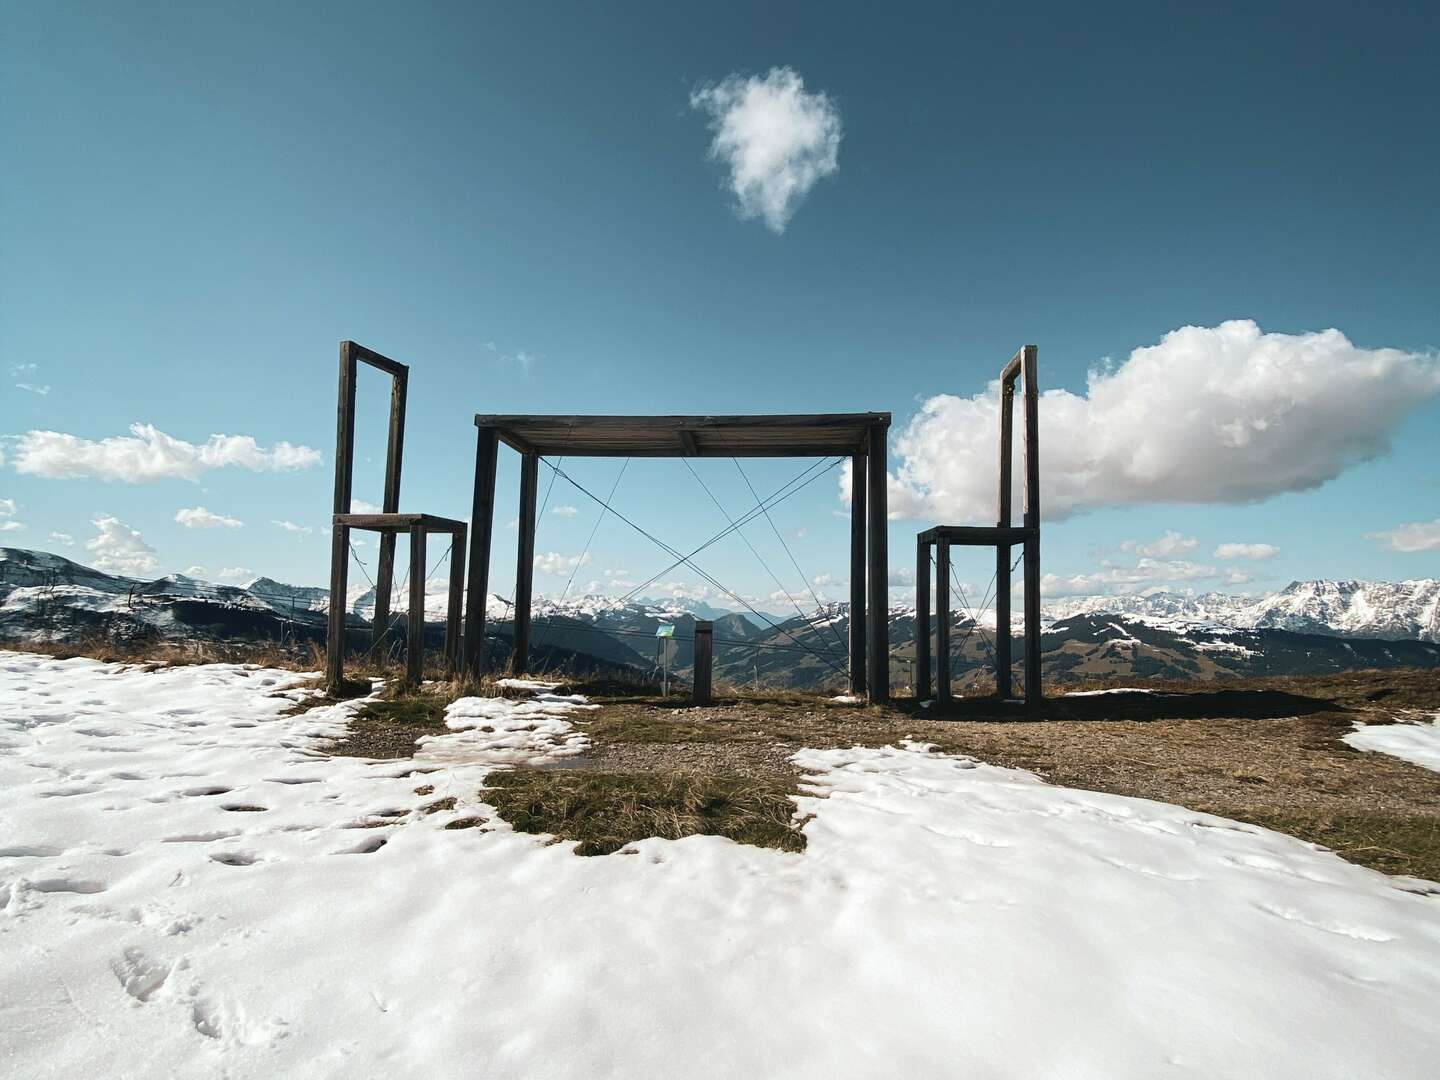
365 847
31 851
236 858
140 976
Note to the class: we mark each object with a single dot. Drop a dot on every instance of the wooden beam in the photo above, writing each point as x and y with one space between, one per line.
976 535
482 522
858 479
1002 622
878 568
374 359
942 621
1033 691
390 503
704 663
687 443
525 562
345 429
415 638
922 620
456 599
335 638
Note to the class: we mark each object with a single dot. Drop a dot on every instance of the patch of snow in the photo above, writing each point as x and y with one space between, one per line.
1417 743
1112 690
946 918
846 699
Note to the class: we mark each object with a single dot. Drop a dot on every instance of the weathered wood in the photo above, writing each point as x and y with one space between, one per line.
922 620
455 600
942 621
390 503
345 428
704 660
415 638
399 522
976 535
335 639
482 521
815 434
858 479
1002 621
878 568
375 359
525 561
1033 690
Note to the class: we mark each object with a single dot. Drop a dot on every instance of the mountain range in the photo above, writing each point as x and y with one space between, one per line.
1309 626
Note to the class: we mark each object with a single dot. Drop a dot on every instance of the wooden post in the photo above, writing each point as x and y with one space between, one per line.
415 643
339 535
1033 694
878 569
942 621
922 620
858 480
525 561
335 641
1003 661
482 522
390 504
704 663
456 598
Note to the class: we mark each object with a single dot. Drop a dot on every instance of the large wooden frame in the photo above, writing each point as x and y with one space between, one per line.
859 436
1003 536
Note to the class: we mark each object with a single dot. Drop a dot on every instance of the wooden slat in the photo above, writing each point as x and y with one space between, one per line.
942 621
415 644
878 568
525 562
704 653
801 435
922 620
482 520
456 598
858 479
335 639
375 359
402 522
976 535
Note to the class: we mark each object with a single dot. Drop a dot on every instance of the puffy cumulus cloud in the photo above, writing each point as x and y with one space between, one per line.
776 139
8 510
565 511
1172 543
1417 536
824 580
119 549
147 453
235 573
1145 575
552 562
197 517
291 527
195 570
682 590
62 538
1254 552
1222 414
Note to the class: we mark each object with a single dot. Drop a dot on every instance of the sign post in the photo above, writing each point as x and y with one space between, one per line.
665 644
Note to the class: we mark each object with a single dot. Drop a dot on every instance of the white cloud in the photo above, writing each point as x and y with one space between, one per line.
63 538
1237 577
1256 552
904 575
42 391
197 517
1223 414
120 549
149 454
801 533
682 590
565 511
291 527
360 506
1146 575
1172 543
235 573
777 140
7 516
194 571
822 580
1416 536
552 562
23 372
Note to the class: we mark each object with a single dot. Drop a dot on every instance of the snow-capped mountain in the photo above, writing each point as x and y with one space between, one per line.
1389 610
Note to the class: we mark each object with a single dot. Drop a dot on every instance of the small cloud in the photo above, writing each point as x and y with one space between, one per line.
565 511
32 388
777 140
800 533
1172 543
120 549
1255 552
903 575
195 571
147 453
235 573
822 580
197 517
360 506
1417 536
552 562
62 538
291 527
8 510
1237 577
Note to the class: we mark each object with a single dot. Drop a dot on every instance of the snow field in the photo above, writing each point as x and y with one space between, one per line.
946 918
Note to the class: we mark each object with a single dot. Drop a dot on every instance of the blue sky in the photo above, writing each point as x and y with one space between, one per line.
520 202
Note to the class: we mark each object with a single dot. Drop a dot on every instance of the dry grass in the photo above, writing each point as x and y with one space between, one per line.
604 812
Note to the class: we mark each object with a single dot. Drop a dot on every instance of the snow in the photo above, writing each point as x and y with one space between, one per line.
1112 690
1418 743
947 917
846 699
